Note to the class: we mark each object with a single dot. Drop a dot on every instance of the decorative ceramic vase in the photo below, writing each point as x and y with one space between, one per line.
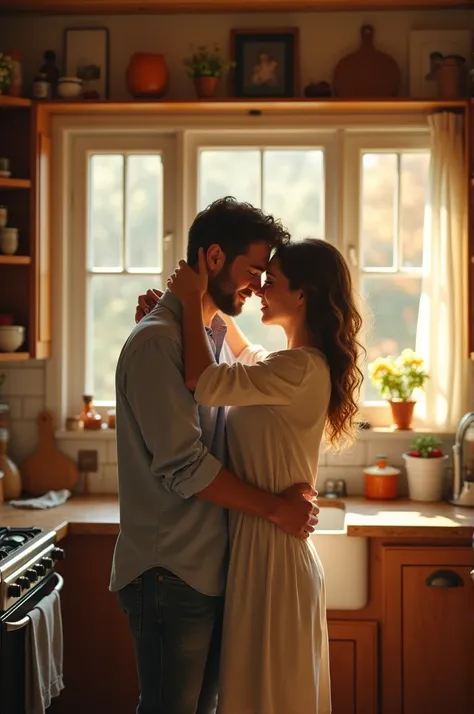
147 76
425 477
402 414
206 87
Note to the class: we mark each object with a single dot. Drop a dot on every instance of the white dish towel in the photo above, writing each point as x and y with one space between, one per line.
44 654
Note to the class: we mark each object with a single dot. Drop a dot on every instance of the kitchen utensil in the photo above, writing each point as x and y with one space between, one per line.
48 469
367 72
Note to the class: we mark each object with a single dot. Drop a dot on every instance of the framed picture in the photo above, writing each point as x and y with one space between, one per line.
427 49
266 63
86 55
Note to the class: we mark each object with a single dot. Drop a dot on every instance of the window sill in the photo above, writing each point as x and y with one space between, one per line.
363 435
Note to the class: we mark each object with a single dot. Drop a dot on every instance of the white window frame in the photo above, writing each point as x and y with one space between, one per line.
337 134
356 143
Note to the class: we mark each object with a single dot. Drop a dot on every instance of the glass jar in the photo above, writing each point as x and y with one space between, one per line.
89 416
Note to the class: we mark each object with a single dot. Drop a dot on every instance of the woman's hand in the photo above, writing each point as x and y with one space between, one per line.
146 303
186 283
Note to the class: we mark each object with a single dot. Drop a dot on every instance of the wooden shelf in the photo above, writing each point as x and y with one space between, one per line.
14 183
15 260
298 105
14 356
87 7
12 102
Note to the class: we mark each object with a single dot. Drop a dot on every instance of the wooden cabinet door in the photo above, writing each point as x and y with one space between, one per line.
354 671
41 279
428 631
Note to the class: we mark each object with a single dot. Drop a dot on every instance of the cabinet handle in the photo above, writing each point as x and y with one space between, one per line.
444 579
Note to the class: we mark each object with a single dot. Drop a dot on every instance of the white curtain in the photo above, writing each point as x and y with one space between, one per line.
442 323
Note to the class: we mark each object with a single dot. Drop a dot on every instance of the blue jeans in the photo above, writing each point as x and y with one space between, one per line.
177 633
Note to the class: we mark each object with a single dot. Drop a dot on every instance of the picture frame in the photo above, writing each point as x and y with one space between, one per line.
265 63
86 55
427 47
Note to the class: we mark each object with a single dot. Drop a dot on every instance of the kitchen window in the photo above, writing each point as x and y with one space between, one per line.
133 197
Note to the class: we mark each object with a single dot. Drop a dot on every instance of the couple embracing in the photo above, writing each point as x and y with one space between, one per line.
218 443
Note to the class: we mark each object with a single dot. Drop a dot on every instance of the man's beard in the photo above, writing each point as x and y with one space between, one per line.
223 293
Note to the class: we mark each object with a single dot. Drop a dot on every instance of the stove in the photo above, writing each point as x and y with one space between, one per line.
27 557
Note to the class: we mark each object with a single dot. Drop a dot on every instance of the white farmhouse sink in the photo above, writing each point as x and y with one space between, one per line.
344 558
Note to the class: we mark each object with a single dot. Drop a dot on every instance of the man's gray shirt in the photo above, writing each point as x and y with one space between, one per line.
168 449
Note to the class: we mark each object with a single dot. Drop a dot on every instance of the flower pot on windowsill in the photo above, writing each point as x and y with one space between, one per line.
206 87
425 477
402 414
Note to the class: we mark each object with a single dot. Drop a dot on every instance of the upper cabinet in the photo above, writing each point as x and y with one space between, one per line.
25 280
86 7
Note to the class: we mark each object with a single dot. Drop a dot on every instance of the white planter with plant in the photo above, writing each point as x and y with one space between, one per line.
205 67
426 465
398 381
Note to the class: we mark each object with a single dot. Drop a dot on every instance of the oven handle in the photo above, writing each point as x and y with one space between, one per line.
20 624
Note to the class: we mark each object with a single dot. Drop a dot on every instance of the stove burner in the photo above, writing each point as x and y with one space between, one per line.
13 538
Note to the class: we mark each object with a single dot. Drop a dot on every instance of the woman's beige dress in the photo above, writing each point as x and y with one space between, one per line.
275 657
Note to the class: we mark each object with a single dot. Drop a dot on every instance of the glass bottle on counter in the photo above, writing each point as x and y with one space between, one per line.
89 416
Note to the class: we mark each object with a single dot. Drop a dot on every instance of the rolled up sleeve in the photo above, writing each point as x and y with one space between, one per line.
271 382
167 415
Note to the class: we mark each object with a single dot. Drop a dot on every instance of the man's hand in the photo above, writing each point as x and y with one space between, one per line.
146 303
296 513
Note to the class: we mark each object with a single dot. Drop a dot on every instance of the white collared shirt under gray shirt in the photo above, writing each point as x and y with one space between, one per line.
168 449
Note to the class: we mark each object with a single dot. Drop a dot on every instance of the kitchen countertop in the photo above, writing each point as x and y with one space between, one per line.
99 515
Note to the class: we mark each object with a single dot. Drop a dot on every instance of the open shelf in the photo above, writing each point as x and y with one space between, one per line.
14 356
14 183
15 260
7 102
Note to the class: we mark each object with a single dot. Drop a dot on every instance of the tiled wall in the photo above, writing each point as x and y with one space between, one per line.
24 390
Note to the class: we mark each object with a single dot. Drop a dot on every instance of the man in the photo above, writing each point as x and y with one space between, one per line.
169 564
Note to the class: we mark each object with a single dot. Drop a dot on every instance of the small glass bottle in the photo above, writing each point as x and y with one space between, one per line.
89 416
42 88
50 69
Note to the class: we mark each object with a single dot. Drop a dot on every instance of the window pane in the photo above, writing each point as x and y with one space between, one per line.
229 172
413 184
105 210
144 210
293 189
378 208
393 303
269 336
112 301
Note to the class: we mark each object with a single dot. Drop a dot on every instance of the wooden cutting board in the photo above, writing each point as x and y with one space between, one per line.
47 469
367 72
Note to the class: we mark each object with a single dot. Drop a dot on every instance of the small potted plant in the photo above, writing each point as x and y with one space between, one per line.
205 67
425 464
397 379
5 72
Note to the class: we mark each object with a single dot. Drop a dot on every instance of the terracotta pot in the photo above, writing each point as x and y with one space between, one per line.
451 78
147 76
402 414
206 87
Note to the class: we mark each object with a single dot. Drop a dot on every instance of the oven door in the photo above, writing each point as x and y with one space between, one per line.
13 628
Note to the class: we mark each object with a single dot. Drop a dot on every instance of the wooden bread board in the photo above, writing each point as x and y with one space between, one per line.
367 72
47 469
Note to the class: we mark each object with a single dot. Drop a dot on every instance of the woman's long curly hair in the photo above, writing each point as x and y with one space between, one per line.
318 269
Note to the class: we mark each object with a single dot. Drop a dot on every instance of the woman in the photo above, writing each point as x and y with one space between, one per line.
275 657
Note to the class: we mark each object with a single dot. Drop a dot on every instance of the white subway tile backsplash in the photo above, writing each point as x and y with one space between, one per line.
355 456
23 382
71 448
110 479
112 452
32 406
15 404
352 475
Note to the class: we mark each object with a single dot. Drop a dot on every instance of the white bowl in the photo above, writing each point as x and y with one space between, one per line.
69 87
11 337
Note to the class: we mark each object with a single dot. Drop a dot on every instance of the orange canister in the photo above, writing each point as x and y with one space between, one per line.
381 480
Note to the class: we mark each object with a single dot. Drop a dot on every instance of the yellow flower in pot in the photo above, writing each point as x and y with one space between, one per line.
425 464
205 67
397 380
